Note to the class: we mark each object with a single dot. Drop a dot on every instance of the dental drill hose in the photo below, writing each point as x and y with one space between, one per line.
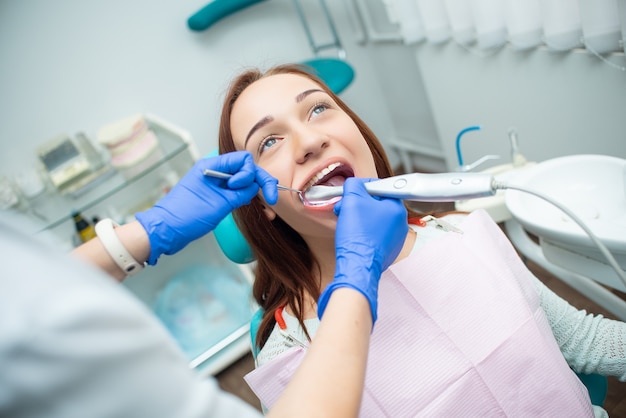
450 187
603 249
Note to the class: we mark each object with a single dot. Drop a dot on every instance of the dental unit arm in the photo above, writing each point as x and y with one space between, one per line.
442 187
422 187
448 187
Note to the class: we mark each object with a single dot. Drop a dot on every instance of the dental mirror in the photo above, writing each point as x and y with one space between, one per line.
305 201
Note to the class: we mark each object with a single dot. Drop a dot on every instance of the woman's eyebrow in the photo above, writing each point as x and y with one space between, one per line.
256 127
300 97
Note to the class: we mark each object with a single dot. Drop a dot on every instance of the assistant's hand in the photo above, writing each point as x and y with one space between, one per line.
198 203
370 234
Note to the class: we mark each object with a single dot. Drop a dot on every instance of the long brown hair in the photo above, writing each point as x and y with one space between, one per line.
285 265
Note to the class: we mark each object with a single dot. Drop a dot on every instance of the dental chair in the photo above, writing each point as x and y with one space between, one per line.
235 247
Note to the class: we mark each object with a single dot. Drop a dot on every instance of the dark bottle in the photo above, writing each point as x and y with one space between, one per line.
84 229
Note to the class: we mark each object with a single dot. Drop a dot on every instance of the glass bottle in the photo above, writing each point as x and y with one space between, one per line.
85 230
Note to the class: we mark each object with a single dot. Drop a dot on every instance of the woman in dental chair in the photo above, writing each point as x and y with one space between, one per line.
462 328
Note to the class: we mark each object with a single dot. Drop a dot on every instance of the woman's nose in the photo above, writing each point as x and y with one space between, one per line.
309 143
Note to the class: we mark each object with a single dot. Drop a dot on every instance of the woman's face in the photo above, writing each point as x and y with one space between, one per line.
299 135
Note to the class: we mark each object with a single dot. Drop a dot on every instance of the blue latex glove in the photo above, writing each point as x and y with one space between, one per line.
198 203
370 234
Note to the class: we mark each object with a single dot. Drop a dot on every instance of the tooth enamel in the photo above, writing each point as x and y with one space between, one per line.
321 174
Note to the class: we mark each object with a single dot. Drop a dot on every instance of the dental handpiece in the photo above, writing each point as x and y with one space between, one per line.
419 187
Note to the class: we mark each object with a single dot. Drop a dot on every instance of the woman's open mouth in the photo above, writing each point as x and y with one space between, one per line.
333 175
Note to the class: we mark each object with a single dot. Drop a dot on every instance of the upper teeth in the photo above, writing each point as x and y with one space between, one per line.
321 174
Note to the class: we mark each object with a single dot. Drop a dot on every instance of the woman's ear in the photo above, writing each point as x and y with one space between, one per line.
269 212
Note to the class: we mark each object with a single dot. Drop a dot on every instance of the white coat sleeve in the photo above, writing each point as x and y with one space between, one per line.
74 343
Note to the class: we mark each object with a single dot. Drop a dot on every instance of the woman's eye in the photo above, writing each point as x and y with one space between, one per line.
319 108
267 143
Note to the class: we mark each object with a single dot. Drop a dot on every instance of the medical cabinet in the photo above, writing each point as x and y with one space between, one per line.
201 297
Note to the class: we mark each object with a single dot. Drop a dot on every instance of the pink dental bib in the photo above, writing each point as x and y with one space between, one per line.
460 332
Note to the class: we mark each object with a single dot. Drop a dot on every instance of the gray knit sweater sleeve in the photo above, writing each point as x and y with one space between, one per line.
590 343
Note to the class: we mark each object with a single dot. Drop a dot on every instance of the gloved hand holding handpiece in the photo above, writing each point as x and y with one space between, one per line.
370 234
198 203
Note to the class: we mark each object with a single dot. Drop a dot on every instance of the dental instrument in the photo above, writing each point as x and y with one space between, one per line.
220 175
421 187
447 187
469 167
282 326
438 187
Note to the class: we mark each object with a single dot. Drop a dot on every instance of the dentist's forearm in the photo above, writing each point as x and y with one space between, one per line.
330 380
132 236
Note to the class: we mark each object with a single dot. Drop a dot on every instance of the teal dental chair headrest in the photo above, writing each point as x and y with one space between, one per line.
232 242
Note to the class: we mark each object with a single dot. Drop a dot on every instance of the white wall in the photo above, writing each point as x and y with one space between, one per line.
560 103
72 65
